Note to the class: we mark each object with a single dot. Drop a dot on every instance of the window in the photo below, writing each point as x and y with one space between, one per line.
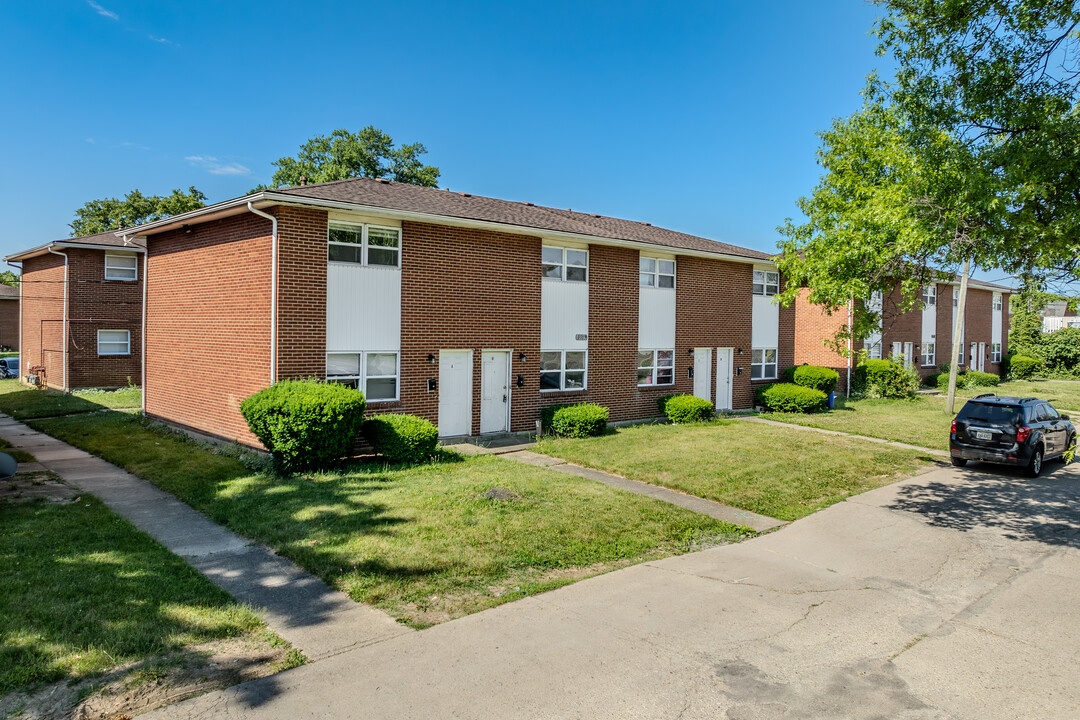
376 373
997 302
956 297
928 354
763 364
655 272
114 342
562 370
655 367
929 296
766 283
995 352
364 244
873 350
565 264
121 267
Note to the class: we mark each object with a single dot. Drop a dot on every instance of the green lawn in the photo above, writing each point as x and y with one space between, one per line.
921 421
1062 394
82 592
419 542
23 403
781 472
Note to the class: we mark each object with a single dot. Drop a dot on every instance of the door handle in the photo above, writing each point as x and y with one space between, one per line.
504 398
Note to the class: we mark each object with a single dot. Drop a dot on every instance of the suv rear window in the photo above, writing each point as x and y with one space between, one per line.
990 414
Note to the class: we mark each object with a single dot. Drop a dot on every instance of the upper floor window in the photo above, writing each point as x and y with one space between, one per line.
929 296
766 283
956 297
121 267
655 272
561 263
364 244
997 302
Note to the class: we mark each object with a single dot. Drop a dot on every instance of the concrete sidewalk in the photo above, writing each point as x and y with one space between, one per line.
321 622
950 595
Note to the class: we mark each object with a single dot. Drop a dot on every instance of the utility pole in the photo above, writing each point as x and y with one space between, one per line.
956 346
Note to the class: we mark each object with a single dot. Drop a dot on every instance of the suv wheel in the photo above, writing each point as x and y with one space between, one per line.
1035 466
958 462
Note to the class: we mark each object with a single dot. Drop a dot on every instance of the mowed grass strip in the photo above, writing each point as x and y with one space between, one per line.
421 542
1062 394
23 403
920 421
82 591
780 472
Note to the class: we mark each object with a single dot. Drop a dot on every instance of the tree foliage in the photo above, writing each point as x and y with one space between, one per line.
99 216
368 153
7 277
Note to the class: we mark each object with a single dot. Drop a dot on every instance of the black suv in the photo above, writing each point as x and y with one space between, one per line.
1010 430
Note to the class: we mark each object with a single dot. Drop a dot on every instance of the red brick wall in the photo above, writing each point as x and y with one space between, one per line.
814 331
208 323
42 316
301 326
9 322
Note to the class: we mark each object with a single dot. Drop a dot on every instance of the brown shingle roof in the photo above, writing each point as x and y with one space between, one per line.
431 201
106 240
8 292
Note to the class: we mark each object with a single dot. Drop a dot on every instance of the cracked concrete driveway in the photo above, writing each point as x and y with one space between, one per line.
953 594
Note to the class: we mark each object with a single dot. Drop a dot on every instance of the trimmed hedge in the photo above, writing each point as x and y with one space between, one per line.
305 423
687 409
976 378
402 438
788 397
884 379
1022 367
813 376
576 421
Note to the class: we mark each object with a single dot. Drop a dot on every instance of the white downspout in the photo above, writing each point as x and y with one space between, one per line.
273 288
142 338
22 364
63 355
851 344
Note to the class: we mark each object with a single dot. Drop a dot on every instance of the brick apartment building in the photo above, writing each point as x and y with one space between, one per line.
922 336
81 311
9 317
470 311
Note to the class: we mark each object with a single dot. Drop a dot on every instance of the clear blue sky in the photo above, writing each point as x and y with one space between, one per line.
700 117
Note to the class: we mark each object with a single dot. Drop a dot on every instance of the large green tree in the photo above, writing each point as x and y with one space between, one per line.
368 153
114 213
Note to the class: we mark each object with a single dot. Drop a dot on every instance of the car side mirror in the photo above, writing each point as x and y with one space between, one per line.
1064 417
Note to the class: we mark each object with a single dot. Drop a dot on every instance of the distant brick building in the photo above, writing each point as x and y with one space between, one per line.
81 311
9 317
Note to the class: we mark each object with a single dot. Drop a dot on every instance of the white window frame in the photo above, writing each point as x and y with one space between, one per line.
956 297
563 263
655 274
768 281
126 343
995 352
655 367
775 364
563 370
929 296
124 256
997 302
365 246
873 350
928 360
363 377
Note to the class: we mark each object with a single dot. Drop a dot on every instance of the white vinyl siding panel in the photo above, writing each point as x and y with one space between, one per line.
656 318
564 315
929 322
363 308
766 323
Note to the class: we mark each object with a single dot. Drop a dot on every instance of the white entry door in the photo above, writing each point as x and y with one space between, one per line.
495 391
724 371
703 373
455 393
909 348
982 357
973 359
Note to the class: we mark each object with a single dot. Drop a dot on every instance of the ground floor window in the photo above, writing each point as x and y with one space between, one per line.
656 367
375 373
928 354
114 342
763 364
562 370
995 352
873 350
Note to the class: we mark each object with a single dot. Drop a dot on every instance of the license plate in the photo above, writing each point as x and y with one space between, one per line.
983 435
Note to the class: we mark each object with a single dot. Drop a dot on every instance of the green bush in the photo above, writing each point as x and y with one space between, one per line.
1022 367
402 438
687 409
576 421
884 379
942 381
305 423
975 378
813 376
931 380
788 397
1061 351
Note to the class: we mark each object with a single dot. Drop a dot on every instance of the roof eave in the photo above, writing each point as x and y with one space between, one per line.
44 249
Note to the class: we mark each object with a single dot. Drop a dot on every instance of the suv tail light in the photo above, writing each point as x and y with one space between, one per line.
1022 433
953 430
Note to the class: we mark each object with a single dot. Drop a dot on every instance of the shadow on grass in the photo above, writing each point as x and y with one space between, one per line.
25 403
1044 509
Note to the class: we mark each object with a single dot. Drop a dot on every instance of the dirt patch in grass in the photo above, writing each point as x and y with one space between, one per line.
31 486
161 680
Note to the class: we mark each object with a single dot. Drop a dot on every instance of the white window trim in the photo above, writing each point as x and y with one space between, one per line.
775 365
933 355
873 350
766 285
656 274
363 377
929 296
995 352
127 344
562 372
997 302
563 264
364 246
655 367
125 256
